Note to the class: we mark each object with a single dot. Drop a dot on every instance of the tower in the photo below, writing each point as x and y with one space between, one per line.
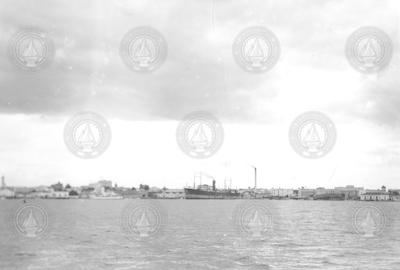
3 182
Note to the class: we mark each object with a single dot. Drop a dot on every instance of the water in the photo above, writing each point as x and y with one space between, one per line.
86 234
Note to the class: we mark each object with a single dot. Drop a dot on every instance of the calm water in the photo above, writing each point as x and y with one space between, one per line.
86 234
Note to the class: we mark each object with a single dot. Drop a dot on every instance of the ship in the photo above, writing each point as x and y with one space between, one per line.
101 194
210 192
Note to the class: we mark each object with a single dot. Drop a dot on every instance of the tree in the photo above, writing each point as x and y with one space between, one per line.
57 187
67 186
145 187
73 193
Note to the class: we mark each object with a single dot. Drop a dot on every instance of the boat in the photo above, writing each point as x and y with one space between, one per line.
207 192
101 194
101 197
330 197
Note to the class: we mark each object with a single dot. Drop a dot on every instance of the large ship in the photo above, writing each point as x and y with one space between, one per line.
210 192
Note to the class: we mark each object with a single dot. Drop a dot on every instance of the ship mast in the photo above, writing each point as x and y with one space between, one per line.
255 176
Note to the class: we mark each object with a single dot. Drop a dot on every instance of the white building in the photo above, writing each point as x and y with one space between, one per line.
101 183
306 193
6 193
172 194
375 195
59 195
281 192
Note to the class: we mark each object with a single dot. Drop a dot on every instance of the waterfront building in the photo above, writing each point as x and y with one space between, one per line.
394 194
3 182
130 193
375 195
101 183
328 194
281 192
258 193
350 192
57 187
305 193
155 189
171 194
324 191
4 191
262 193
59 195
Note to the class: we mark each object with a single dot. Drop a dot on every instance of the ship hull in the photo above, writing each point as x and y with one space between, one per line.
106 198
210 194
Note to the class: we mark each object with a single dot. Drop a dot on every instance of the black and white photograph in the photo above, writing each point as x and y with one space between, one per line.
199 134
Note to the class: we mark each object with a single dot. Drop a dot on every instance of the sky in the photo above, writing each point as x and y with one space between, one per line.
256 110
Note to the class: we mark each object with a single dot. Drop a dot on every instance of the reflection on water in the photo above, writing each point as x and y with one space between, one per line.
86 234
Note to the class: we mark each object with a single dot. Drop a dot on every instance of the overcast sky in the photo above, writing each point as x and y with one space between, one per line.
200 73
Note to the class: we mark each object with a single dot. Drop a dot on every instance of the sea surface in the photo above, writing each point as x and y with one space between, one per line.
200 234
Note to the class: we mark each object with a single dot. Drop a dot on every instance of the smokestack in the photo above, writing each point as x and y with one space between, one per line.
213 185
255 177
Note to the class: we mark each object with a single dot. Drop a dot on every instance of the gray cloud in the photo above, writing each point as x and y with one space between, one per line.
199 73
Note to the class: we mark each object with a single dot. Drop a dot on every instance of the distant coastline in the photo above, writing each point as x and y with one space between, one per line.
105 190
